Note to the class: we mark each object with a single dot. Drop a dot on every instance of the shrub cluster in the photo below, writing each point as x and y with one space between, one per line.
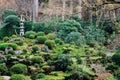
17 77
4 45
41 39
19 68
50 44
30 34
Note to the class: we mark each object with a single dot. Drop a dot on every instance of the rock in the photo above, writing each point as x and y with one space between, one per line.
46 49
18 52
7 49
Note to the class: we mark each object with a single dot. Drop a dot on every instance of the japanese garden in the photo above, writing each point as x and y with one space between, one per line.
59 39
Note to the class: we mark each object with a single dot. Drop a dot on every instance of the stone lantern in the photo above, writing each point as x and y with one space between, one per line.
22 26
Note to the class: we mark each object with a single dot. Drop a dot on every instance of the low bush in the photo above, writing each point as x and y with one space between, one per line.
17 77
37 59
57 40
30 34
5 39
62 62
3 68
75 37
20 43
4 45
35 49
41 39
11 52
116 58
14 36
51 36
40 34
50 44
40 75
19 68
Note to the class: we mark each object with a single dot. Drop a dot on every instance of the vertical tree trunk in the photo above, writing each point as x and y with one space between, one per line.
80 9
114 15
63 12
71 7
35 11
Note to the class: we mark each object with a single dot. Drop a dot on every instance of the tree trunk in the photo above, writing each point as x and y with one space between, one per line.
71 7
35 11
63 11
79 9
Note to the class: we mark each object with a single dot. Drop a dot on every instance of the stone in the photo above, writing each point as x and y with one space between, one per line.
18 52
7 49
46 49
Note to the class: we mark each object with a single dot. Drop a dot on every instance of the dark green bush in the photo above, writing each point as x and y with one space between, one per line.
19 68
40 34
116 58
41 39
62 62
50 44
58 40
8 12
38 27
4 45
30 34
10 26
17 77
28 25
3 68
40 75
12 20
75 37
37 59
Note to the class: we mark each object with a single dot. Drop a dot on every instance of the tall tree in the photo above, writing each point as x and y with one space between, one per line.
63 11
80 9
35 10
71 7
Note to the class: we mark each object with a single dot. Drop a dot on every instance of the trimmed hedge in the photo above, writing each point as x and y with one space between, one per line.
41 39
50 44
19 68
17 77
4 45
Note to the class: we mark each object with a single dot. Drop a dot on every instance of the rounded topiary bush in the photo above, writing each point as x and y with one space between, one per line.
50 44
40 34
30 34
4 45
40 75
51 36
17 77
41 39
19 68
5 39
58 41
3 68
37 59
116 58
14 36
